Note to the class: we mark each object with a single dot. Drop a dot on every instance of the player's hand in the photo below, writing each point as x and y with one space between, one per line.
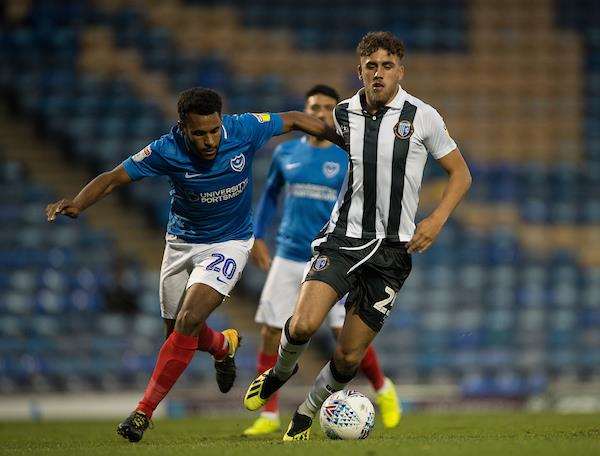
260 255
426 232
63 207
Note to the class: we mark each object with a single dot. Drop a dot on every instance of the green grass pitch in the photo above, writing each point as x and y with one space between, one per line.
418 434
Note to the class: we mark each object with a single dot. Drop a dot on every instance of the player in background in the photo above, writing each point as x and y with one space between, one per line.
208 159
365 249
312 170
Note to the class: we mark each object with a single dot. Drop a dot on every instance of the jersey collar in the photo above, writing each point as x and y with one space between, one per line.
398 101
356 102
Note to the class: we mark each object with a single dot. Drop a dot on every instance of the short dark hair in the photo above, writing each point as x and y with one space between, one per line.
373 41
323 89
198 100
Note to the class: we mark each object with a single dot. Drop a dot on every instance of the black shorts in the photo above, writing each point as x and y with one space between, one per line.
371 271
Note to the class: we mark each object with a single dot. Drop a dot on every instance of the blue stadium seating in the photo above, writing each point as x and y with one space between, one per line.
55 332
584 17
433 25
478 308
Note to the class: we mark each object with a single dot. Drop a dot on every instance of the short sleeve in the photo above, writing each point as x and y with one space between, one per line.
147 162
437 140
260 127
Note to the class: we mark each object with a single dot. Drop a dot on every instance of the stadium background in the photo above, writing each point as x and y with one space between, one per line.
504 310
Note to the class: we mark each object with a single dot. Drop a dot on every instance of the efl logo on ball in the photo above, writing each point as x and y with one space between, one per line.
347 415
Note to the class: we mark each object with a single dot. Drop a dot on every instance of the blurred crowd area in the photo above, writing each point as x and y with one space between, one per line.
504 304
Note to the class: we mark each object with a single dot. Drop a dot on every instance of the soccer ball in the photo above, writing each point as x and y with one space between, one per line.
347 415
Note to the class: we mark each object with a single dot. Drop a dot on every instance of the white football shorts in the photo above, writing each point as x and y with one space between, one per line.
280 293
218 265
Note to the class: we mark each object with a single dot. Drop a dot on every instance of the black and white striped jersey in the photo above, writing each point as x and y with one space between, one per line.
387 153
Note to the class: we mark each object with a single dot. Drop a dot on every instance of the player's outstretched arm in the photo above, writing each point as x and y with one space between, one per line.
296 120
93 192
458 183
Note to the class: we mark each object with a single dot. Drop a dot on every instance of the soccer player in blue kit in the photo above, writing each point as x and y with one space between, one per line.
312 171
208 159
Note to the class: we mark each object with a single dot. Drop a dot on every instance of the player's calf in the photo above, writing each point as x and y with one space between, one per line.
290 350
329 380
267 383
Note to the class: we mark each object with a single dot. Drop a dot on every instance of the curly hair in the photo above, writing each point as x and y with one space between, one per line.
198 100
373 41
322 89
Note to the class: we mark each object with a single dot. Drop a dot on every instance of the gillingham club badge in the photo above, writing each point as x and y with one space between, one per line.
403 129
320 263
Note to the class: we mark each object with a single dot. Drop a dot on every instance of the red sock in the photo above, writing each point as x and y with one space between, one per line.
266 362
173 357
370 367
213 342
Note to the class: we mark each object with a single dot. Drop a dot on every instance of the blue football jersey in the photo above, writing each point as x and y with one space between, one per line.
312 177
211 200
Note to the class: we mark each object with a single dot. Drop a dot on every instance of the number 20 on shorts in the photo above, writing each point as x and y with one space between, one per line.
225 266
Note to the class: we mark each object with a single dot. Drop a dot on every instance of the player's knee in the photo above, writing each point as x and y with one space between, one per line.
347 360
188 322
302 329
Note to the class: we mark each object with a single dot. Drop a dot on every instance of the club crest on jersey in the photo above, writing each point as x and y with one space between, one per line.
403 129
238 162
321 263
145 152
330 169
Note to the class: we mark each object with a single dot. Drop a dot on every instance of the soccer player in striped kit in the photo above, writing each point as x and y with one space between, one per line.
365 249
312 171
